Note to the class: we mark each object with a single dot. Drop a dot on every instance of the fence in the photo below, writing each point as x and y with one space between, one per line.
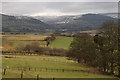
23 70
44 69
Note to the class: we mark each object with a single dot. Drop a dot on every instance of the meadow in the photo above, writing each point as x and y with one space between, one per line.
61 42
46 67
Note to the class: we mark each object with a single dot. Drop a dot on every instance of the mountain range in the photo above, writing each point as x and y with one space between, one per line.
50 24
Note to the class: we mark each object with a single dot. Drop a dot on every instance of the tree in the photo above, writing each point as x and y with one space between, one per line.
100 41
107 41
49 39
83 49
33 47
98 51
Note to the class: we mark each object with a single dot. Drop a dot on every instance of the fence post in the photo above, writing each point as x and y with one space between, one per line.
37 76
63 70
29 68
4 71
21 75
53 78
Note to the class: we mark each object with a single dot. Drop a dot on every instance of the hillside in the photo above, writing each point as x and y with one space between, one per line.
22 24
96 19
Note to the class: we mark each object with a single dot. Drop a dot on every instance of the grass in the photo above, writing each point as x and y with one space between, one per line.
24 37
61 42
43 62
10 42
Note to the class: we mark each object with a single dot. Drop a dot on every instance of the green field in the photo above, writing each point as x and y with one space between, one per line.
38 65
61 42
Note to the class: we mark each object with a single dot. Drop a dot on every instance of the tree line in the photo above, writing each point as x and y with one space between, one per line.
100 51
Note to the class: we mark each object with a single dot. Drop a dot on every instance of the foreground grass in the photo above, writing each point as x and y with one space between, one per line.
61 42
43 62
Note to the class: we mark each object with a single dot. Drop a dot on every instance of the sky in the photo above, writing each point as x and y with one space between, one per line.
30 8
59 0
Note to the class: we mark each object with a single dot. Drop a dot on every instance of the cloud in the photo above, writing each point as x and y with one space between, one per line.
57 8
48 12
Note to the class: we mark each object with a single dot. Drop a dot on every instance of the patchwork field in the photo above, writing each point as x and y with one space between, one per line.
11 42
46 67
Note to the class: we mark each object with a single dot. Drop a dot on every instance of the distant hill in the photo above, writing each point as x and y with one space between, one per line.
22 24
84 22
56 24
96 19
113 15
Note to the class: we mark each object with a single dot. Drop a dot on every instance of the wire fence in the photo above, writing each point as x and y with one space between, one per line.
45 69
23 70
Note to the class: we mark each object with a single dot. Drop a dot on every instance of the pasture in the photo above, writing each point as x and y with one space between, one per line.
11 42
61 42
46 67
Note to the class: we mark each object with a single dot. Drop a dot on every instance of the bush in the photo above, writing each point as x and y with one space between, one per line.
32 48
58 52
35 48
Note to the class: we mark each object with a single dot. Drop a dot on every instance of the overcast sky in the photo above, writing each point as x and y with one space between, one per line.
59 0
57 8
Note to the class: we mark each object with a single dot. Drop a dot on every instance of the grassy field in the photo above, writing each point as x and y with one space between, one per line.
61 42
38 65
10 42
